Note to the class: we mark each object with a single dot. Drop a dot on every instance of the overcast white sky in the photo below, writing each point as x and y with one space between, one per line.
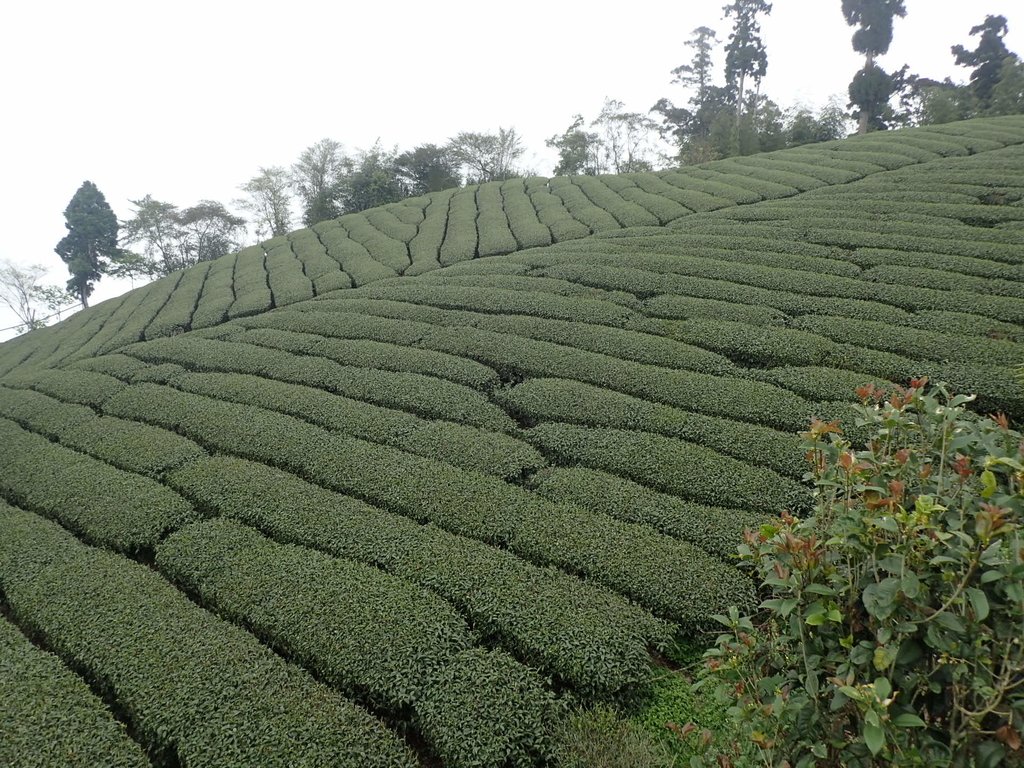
185 100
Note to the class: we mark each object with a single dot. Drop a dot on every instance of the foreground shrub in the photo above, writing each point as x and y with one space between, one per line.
892 630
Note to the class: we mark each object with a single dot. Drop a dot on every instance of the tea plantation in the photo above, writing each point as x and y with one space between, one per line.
402 488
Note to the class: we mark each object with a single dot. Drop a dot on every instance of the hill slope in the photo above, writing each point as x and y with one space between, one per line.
428 465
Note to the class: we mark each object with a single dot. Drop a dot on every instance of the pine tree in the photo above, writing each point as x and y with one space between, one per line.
90 246
872 86
987 59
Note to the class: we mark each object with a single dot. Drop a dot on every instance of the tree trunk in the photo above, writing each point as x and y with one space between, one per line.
864 121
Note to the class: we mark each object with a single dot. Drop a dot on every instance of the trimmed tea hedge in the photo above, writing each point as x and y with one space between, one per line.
713 529
492 223
218 293
176 315
114 509
460 237
393 254
582 634
629 559
363 631
252 291
127 445
48 715
467 447
364 353
423 395
576 403
682 469
194 687
394 645
523 219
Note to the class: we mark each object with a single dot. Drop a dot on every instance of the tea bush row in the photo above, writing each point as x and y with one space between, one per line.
523 220
713 529
316 264
630 559
69 385
461 446
218 293
48 715
107 506
363 353
252 292
492 223
691 200
581 207
627 214
425 248
371 635
176 315
286 277
553 214
404 323
426 396
518 356
127 445
353 258
576 403
724 194
392 253
365 632
385 220
664 209
194 687
583 635
672 466
461 236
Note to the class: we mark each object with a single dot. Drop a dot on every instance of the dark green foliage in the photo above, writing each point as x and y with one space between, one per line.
492 223
106 506
713 529
902 594
191 684
582 634
367 633
572 402
134 447
460 237
427 396
90 246
462 446
628 558
672 466
987 59
484 709
48 716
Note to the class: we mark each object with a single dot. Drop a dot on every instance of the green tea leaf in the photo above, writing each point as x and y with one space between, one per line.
874 737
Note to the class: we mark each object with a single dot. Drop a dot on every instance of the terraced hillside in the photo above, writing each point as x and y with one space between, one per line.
391 490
